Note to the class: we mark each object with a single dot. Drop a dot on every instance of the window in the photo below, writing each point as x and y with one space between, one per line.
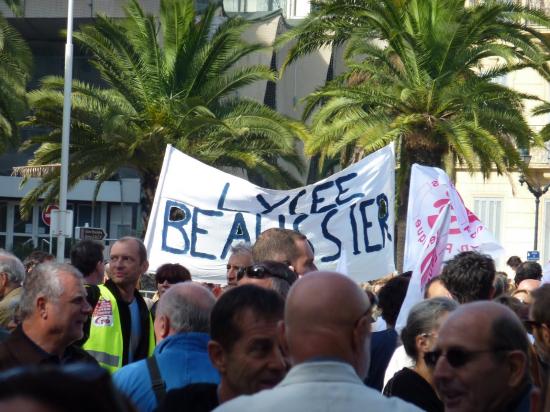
488 211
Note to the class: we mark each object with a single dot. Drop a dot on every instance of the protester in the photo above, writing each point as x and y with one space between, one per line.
528 270
244 347
501 284
121 329
166 276
469 277
53 309
87 256
181 358
539 323
37 257
285 246
67 388
12 274
240 257
270 275
513 262
435 288
327 332
481 360
415 385
383 343
524 289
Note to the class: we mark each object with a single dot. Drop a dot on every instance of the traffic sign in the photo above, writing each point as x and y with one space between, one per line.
533 255
47 214
90 233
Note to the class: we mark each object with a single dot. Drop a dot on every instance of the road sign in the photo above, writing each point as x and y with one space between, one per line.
533 255
90 233
47 214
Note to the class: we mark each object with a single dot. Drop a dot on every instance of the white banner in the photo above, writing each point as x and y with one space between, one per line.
428 266
199 212
430 191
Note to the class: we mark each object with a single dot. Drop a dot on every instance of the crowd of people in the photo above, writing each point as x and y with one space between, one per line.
281 335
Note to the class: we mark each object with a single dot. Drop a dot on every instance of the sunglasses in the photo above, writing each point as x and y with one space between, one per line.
262 271
456 357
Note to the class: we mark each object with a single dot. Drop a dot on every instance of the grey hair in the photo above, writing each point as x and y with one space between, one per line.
188 310
241 248
423 318
12 266
43 281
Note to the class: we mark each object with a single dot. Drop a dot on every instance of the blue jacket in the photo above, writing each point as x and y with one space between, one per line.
182 359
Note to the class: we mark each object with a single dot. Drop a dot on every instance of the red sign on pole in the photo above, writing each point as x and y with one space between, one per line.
47 214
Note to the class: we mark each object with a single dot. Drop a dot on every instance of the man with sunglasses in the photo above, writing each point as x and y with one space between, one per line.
326 329
269 275
481 360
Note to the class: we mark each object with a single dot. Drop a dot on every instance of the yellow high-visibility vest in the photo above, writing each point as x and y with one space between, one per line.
105 342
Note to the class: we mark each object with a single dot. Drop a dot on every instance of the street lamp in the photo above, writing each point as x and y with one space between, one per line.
536 190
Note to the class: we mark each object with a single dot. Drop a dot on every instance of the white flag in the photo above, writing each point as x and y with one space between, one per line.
428 266
430 191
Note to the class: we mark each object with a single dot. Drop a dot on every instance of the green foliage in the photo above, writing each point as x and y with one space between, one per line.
15 67
419 75
172 80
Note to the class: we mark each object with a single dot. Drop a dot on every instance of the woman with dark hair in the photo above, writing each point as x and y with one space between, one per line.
166 276
415 385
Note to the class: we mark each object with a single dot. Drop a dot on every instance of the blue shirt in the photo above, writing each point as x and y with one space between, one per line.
182 359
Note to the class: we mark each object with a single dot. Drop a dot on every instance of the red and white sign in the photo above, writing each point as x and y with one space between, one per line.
47 214
430 191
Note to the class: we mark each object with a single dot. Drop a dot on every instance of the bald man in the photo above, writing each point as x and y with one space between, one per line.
481 360
182 327
327 333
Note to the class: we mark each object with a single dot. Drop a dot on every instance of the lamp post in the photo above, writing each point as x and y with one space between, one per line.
535 190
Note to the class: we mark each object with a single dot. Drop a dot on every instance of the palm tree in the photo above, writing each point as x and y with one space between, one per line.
171 81
418 76
15 67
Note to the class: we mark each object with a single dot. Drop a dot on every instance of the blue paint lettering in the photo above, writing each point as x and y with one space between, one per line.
327 235
316 199
195 230
176 208
342 190
238 231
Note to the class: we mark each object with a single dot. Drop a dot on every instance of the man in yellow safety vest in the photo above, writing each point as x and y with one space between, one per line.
121 328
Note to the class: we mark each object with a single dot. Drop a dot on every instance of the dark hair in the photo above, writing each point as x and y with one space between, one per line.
85 256
513 262
277 244
541 303
63 388
500 283
528 270
173 273
517 306
35 258
226 314
391 296
469 276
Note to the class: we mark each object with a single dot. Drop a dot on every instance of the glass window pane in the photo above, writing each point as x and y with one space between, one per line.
21 225
3 216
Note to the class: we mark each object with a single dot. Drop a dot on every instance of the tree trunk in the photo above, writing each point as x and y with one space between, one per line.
149 183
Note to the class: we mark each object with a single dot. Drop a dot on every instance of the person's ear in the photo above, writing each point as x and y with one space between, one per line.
422 343
144 266
162 327
517 364
42 307
361 332
217 356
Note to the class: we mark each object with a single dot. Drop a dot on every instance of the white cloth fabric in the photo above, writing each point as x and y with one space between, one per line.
398 361
321 386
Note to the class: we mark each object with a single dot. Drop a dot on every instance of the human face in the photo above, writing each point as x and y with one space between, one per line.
255 362
125 264
234 263
541 333
67 314
480 384
304 262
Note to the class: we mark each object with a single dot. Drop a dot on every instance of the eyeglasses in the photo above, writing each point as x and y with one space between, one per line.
456 357
268 270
